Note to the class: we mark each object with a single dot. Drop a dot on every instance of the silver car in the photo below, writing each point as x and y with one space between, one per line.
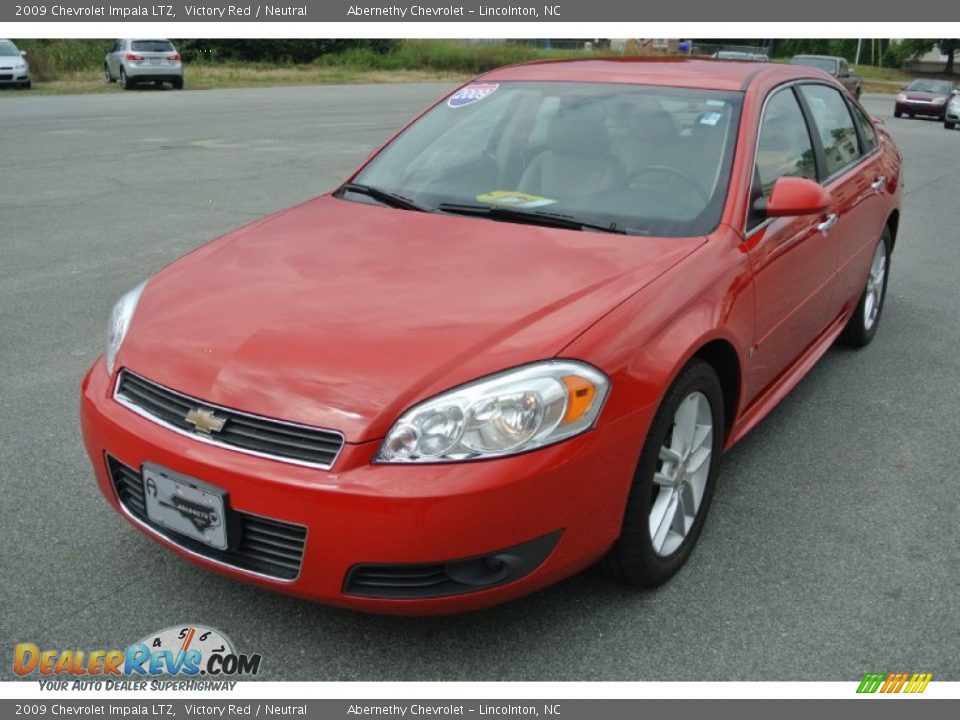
131 62
14 69
951 117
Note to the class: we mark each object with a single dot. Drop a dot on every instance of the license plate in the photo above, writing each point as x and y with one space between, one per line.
156 61
186 505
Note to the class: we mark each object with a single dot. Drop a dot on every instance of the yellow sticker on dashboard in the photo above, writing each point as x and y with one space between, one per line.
512 198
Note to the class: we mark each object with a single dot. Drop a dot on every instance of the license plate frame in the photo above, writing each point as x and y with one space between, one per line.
187 506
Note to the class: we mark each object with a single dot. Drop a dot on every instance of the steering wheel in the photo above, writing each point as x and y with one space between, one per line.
667 170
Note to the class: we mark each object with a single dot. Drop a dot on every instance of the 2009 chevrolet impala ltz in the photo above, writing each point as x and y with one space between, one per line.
514 343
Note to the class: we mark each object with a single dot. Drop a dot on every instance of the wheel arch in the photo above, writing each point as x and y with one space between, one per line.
893 222
722 357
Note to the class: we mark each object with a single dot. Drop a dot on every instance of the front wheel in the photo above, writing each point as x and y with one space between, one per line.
106 73
674 481
949 125
862 325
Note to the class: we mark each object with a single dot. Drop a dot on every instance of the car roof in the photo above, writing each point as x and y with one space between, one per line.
819 57
705 73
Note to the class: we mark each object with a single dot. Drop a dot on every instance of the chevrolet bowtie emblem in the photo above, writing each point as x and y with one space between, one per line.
205 421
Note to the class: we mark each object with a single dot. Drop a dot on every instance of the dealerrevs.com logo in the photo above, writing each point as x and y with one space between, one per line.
183 651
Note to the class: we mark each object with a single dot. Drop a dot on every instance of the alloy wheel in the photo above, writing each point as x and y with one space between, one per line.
874 296
681 479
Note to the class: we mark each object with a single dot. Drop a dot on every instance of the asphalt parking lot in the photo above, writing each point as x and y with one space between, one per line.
831 550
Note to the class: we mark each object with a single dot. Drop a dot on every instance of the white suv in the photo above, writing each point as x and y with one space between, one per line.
130 62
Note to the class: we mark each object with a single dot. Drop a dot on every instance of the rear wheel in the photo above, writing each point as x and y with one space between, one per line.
674 481
178 83
897 113
125 81
862 325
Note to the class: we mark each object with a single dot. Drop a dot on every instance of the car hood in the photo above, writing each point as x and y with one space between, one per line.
341 314
917 95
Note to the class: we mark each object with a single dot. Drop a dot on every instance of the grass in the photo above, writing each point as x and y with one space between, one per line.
75 66
241 75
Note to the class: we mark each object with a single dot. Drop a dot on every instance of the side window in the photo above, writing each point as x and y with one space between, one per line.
867 132
834 125
784 146
844 69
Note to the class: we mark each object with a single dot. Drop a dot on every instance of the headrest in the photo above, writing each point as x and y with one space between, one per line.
578 130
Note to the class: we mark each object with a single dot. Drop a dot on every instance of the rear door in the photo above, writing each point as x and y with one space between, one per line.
855 178
114 57
793 262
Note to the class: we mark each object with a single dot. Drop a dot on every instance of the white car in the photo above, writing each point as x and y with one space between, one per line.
131 62
951 117
14 69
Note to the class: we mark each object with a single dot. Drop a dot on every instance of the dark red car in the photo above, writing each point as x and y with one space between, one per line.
516 342
924 97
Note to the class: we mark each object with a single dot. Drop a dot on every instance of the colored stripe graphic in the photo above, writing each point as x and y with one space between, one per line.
895 682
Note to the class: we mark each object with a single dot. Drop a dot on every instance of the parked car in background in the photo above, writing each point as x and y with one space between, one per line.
132 62
836 66
514 342
14 69
952 117
928 98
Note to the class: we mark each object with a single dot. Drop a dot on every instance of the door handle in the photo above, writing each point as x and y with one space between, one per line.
830 221
879 182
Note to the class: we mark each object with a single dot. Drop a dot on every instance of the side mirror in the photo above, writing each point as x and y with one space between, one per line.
23 53
792 196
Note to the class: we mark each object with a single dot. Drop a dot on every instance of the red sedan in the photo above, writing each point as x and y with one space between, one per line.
513 344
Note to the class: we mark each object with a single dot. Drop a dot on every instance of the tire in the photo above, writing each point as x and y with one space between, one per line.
949 125
107 75
635 558
897 113
26 85
125 82
863 324
177 83
858 93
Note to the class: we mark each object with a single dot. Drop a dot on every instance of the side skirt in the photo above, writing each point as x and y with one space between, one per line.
788 380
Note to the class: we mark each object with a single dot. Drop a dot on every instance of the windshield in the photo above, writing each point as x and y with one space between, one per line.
151 46
827 64
931 86
647 160
8 49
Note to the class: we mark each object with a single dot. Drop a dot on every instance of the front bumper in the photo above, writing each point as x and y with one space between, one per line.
916 107
393 516
952 114
14 77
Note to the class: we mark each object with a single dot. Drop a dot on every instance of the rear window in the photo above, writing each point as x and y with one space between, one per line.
152 46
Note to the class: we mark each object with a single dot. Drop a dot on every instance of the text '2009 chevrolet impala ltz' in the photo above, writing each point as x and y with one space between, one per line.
514 343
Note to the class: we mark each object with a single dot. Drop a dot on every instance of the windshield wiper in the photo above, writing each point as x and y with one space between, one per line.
530 217
385 196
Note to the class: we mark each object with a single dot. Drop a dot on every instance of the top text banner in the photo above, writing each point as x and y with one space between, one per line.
479 11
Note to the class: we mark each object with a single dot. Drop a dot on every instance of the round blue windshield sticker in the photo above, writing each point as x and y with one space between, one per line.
470 94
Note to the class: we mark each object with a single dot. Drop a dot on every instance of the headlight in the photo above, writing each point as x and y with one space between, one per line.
120 318
901 98
939 100
504 414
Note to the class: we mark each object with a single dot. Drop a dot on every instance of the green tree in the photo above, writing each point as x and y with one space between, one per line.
915 47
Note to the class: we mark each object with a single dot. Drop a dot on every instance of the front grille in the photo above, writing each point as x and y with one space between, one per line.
267 547
6 77
254 434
